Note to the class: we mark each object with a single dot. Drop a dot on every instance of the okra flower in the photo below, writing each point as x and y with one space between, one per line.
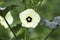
29 18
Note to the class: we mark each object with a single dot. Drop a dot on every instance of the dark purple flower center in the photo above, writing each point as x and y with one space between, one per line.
29 19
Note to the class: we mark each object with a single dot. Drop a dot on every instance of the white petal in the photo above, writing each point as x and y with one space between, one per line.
2 21
9 19
35 18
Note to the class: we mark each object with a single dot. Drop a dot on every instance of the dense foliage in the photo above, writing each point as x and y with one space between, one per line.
47 9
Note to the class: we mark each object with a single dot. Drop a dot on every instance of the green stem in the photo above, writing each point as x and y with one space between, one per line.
10 28
26 35
49 34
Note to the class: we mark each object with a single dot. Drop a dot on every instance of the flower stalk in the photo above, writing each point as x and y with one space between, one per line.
26 35
10 28
50 33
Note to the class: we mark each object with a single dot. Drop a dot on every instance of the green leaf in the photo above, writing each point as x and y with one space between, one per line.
4 33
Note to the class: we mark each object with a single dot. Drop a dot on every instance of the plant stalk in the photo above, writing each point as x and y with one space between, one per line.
49 34
26 35
10 28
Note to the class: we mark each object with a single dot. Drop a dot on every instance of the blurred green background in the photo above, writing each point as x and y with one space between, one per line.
47 9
